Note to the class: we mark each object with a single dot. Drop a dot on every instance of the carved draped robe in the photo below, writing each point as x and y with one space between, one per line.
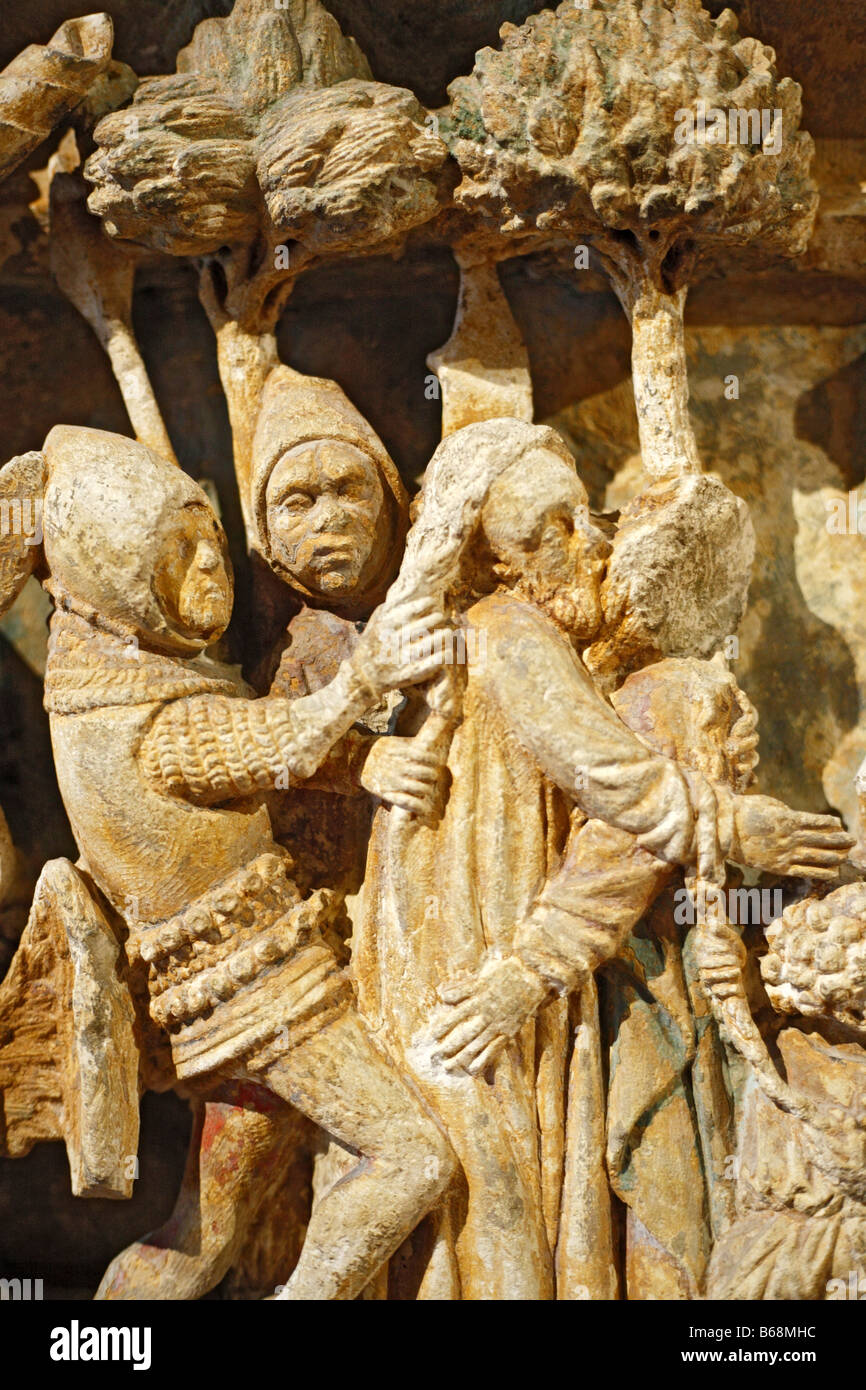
435 899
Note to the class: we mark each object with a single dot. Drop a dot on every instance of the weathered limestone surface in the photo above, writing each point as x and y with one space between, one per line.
786 445
433 669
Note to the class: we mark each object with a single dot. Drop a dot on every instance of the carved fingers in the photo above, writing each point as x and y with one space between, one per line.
474 1046
720 956
482 1013
404 644
772 837
404 773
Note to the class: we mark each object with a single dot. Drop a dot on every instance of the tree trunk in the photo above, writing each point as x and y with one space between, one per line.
660 379
245 360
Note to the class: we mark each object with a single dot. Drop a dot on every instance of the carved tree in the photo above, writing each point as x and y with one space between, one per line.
588 123
269 150
270 147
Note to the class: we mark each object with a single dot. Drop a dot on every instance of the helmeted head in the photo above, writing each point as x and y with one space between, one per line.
329 508
132 538
677 580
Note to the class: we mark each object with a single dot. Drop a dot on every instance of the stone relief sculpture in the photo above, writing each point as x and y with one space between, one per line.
46 82
164 589
812 1202
437 890
574 128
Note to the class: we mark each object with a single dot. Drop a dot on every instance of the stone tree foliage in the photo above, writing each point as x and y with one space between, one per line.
271 147
639 126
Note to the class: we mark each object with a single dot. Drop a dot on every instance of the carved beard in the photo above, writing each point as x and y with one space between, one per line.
310 564
574 607
200 607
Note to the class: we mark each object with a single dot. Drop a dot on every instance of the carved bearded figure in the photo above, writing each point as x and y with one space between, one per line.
431 910
559 832
439 896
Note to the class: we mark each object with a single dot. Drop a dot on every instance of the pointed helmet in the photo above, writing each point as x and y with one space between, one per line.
107 503
296 409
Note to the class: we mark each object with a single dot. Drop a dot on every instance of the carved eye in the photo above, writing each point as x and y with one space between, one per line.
561 525
350 488
296 501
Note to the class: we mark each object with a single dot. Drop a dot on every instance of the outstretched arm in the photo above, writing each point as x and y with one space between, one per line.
212 748
771 836
608 878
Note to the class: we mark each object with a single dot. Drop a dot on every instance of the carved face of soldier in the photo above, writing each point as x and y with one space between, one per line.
192 577
324 502
537 522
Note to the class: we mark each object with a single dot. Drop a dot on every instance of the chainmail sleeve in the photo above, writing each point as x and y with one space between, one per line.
212 748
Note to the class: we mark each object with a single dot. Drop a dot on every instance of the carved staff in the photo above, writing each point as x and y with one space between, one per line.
245 357
483 368
455 488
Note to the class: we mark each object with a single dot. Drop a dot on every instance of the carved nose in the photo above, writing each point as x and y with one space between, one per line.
330 516
207 557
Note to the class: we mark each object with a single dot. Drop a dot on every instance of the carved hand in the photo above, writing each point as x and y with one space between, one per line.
772 837
482 1012
398 646
404 773
720 956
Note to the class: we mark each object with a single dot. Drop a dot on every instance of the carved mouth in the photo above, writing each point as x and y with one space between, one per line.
339 552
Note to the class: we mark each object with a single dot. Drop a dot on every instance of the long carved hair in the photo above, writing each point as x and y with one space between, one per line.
447 516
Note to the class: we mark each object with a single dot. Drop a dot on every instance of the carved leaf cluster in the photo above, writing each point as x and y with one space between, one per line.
571 127
176 170
348 164
271 123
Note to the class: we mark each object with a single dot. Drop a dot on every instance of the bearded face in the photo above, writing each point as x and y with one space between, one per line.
537 522
192 577
325 505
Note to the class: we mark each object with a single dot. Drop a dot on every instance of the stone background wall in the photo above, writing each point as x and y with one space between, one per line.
792 439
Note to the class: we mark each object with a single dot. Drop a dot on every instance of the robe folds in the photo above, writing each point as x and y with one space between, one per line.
536 753
800 1227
